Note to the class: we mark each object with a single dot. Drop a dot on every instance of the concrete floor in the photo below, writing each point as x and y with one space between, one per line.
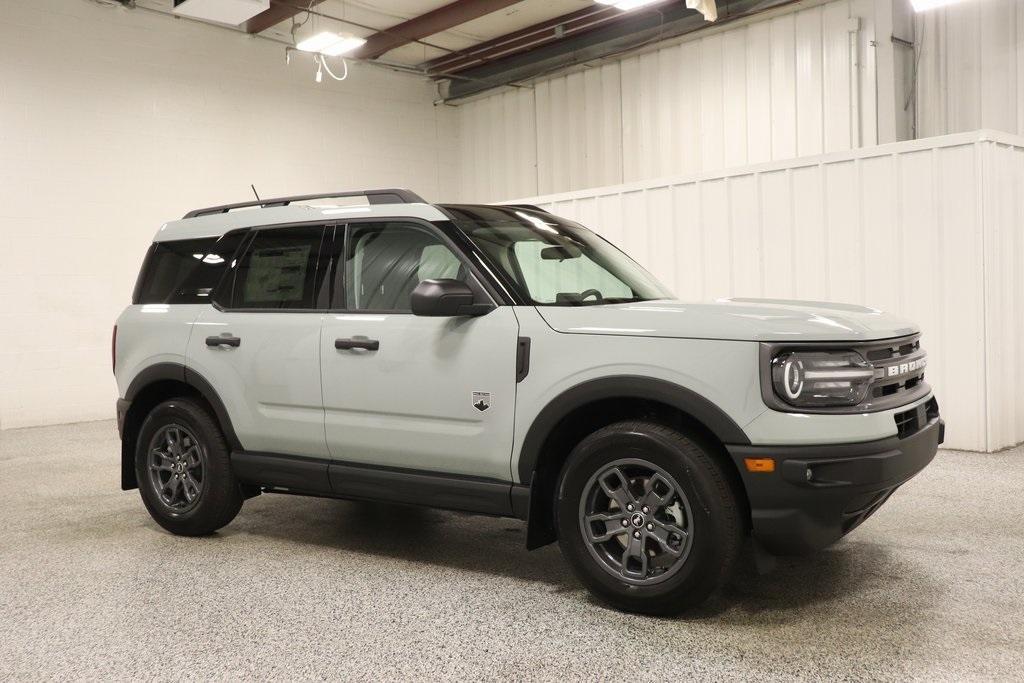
297 588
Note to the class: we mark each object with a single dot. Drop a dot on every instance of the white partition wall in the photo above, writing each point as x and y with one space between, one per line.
932 229
800 80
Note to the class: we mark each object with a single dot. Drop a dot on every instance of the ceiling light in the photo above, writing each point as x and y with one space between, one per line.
318 42
331 44
627 4
925 5
344 46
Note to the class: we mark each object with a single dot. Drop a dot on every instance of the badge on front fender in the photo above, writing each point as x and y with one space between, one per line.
481 400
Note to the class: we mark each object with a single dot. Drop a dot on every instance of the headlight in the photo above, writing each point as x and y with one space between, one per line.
821 378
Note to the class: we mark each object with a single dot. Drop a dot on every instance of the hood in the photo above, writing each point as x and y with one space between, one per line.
732 319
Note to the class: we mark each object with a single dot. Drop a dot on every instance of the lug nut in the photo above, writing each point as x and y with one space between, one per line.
625 522
645 509
636 534
629 506
650 527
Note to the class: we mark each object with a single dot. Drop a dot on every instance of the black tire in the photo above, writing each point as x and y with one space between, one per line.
700 560
219 496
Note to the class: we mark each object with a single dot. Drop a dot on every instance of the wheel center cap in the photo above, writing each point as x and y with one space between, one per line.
637 520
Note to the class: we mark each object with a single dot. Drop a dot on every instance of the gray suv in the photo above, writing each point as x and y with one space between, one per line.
502 360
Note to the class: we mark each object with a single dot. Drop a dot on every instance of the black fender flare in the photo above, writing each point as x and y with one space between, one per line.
685 400
180 373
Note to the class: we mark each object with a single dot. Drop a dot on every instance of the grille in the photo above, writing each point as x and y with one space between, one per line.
894 367
909 422
897 350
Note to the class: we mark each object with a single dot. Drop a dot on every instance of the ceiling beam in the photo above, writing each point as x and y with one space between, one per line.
436 21
546 31
278 12
632 30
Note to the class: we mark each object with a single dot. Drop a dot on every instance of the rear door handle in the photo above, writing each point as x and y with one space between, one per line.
368 344
216 341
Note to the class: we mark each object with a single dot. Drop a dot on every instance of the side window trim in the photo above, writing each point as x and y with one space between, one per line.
224 296
227 279
339 301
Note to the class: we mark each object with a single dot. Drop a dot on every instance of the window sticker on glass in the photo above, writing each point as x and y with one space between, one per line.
277 274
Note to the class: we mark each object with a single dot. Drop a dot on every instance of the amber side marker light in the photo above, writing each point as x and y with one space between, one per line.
759 464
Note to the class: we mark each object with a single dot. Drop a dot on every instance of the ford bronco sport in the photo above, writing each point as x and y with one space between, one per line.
505 361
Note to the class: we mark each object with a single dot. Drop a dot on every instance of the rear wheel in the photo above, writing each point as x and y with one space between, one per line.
647 518
183 468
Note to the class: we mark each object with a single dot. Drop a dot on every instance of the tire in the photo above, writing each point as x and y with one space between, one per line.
665 560
201 493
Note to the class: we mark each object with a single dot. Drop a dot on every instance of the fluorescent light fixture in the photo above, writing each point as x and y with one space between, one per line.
925 5
344 46
331 44
626 5
318 42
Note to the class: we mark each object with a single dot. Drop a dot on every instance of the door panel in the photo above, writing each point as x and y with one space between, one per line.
399 389
410 403
261 351
270 382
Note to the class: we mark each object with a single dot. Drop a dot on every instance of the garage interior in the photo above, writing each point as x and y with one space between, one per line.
859 151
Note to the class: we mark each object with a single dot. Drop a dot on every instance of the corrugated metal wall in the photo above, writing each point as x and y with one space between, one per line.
971 72
790 85
1003 207
930 229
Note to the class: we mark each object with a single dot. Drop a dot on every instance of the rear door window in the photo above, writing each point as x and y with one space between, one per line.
279 270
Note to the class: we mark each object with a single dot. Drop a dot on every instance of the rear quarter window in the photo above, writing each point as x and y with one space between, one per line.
184 271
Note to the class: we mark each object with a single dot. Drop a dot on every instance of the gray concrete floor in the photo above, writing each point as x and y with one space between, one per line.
297 588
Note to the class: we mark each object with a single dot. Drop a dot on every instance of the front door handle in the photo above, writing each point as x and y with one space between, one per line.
368 344
217 340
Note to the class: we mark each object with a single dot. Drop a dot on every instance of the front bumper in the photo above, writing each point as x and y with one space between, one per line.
817 494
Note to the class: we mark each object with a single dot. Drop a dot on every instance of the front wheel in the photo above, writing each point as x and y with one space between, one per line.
647 518
183 468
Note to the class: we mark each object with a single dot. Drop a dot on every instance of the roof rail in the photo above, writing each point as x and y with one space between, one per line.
388 196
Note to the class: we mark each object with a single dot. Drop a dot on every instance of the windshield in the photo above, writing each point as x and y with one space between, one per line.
554 262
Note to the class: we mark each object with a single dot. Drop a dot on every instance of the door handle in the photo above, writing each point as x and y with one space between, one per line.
216 341
368 344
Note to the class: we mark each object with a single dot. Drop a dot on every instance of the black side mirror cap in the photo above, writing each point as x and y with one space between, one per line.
446 298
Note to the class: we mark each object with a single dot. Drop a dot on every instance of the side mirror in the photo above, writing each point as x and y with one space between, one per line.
445 298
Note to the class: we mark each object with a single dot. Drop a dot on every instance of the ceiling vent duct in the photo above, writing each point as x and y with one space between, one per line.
231 12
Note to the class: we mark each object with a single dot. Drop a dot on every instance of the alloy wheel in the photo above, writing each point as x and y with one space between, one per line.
177 467
636 521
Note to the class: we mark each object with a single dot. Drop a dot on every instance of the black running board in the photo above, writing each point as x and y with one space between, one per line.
277 473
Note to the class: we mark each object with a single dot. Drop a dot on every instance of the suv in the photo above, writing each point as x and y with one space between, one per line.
504 361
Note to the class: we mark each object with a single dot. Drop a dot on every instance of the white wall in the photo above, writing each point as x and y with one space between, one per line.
783 86
113 121
930 229
971 72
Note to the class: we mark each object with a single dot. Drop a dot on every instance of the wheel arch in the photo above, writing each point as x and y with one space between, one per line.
152 386
593 404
